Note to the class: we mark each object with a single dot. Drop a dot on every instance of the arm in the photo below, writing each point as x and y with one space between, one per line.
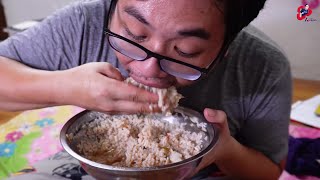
40 47
246 163
90 86
234 159
20 84
58 46
262 141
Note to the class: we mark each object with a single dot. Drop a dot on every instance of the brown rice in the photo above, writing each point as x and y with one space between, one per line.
168 98
136 141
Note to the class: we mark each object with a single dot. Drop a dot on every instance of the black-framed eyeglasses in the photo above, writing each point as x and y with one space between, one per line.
169 65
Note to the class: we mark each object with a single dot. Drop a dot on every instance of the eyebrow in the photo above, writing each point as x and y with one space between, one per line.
197 32
135 13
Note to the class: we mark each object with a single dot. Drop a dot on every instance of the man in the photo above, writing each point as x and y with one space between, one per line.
244 88
304 11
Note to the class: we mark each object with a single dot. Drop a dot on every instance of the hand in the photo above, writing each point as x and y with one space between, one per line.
99 86
218 118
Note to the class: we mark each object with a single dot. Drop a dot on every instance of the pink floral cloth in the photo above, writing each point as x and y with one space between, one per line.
46 145
30 137
302 131
14 136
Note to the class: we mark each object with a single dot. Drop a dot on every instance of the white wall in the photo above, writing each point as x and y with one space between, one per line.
299 39
17 11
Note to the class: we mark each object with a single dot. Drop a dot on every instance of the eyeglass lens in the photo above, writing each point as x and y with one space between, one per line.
136 53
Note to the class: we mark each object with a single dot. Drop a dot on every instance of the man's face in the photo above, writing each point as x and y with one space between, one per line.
191 31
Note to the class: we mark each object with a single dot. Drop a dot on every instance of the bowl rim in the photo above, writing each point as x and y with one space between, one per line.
67 148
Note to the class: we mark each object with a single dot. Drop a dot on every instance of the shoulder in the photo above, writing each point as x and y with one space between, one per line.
94 6
255 42
95 15
95 3
256 55
86 8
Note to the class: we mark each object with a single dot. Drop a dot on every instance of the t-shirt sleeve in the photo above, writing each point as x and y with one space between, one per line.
50 45
269 131
268 104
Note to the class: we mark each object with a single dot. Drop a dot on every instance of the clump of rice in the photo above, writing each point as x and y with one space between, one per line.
136 141
168 98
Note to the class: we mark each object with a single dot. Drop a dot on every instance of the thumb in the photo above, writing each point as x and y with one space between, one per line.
215 116
110 71
219 118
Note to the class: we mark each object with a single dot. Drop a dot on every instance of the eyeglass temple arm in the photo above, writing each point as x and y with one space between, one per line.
221 55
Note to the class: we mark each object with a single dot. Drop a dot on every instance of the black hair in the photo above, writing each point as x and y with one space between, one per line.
238 14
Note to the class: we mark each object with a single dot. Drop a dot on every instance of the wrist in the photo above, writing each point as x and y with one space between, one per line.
36 87
62 87
229 148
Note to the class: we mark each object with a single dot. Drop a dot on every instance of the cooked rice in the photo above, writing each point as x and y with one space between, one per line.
140 140
136 141
168 98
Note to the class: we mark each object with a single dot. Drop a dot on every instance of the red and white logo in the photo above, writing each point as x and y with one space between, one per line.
303 12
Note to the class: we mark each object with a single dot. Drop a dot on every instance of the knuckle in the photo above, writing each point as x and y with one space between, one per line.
99 93
134 97
109 107
222 114
108 66
143 109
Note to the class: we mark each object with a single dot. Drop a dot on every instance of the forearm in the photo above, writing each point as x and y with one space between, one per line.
17 106
244 163
25 88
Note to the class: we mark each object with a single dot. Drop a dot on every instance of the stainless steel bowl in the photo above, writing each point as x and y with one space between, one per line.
179 170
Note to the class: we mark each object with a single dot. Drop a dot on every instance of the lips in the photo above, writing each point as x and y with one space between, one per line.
153 82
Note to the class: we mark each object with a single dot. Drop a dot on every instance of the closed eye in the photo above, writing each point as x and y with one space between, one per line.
186 55
134 37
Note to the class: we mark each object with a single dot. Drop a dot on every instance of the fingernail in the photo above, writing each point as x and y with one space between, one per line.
211 113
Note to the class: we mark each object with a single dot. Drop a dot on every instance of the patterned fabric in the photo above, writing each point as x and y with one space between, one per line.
301 132
304 132
30 143
30 137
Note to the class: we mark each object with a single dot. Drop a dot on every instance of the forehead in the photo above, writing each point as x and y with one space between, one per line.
203 13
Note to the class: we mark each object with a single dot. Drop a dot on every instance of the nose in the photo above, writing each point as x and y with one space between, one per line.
151 68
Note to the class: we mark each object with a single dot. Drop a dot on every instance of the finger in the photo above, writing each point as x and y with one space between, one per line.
202 164
110 71
130 107
126 112
215 116
129 92
199 167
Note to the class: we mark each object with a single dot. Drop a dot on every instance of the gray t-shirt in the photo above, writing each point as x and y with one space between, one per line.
252 84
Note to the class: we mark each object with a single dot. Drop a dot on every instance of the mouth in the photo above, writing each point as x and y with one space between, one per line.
161 83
